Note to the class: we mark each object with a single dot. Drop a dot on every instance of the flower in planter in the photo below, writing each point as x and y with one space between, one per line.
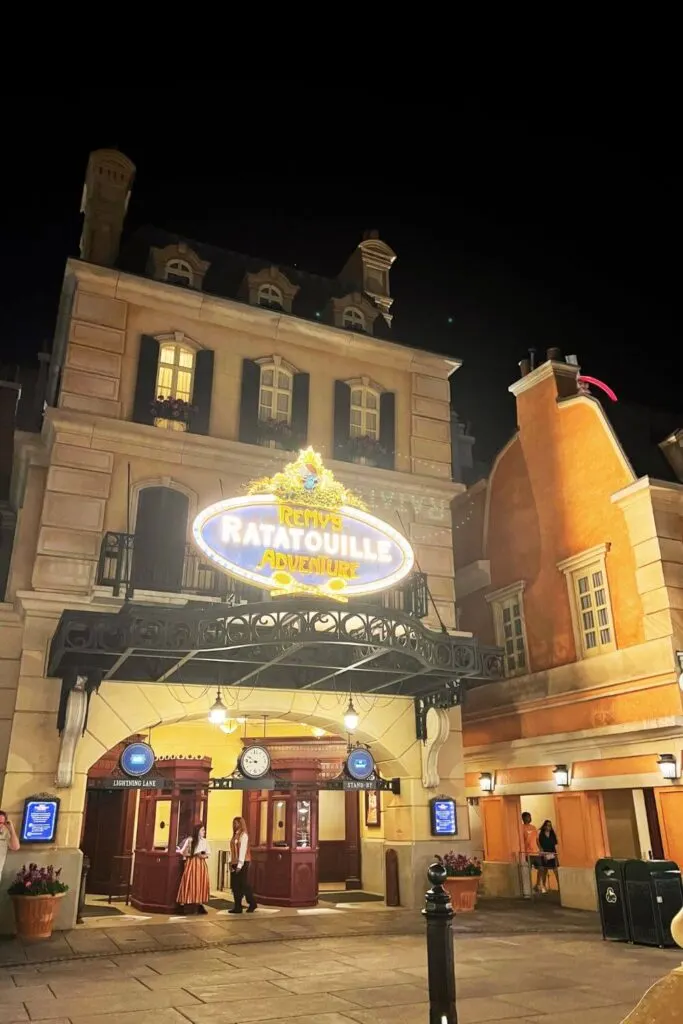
276 430
365 447
459 865
172 409
35 881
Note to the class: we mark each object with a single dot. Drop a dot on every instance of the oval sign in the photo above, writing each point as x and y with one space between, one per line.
137 759
295 549
360 764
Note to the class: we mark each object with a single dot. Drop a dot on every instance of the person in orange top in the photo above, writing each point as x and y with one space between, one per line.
531 849
240 859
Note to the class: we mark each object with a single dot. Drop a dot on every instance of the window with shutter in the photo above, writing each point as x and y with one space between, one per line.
175 380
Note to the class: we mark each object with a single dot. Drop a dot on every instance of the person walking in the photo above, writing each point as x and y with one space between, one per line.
240 859
194 890
547 848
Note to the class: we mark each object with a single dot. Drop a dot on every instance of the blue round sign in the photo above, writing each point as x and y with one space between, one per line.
360 764
137 759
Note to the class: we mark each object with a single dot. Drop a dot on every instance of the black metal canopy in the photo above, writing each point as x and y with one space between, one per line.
290 643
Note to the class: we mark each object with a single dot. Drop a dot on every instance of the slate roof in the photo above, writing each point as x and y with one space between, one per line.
227 271
640 430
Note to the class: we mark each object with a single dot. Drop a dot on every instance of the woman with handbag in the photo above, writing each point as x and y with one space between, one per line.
194 888
547 846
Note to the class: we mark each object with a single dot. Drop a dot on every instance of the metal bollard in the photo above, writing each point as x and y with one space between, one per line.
440 955
81 893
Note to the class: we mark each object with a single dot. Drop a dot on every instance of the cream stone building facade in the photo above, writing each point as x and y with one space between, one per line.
263 358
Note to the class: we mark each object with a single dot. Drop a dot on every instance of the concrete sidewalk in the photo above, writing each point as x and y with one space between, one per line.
110 937
545 978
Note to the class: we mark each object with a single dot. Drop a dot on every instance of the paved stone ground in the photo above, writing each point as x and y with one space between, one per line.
513 963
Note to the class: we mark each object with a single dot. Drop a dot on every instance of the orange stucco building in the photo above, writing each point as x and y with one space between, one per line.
570 555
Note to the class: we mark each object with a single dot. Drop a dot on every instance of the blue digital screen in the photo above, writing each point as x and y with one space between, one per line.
39 824
444 820
360 764
137 759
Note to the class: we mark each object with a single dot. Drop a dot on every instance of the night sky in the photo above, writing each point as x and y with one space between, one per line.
509 233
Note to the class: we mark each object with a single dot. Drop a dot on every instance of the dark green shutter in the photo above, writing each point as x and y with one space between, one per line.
342 420
145 386
251 383
300 389
201 393
387 428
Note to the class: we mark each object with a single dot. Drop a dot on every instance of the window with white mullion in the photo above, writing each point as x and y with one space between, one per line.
511 635
364 413
175 377
592 600
275 394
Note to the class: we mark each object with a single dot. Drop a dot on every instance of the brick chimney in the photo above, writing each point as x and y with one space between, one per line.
548 383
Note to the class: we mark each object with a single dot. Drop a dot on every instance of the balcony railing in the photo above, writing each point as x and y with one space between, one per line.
119 569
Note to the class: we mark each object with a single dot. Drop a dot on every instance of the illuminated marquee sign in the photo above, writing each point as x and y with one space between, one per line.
303 532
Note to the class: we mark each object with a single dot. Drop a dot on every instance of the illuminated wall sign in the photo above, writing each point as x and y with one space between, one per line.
39 821
443 817
299 537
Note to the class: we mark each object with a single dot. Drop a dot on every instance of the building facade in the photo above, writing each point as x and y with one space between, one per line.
179 374
570 556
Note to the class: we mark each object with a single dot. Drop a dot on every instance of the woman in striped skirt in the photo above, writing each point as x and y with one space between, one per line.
194 885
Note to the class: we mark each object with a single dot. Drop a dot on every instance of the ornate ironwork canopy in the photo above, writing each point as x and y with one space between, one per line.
291 643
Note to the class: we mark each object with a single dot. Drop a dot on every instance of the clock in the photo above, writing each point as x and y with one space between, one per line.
360 764
254 762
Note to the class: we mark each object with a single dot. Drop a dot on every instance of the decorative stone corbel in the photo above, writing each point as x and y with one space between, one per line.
438 730
72 719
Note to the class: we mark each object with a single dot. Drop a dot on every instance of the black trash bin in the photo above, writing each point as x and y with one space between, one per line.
654 895
609 879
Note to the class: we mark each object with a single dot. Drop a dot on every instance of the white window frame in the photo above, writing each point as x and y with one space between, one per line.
363 430
268 294
178 346
353 319
499 600
276 365
575 568
179 268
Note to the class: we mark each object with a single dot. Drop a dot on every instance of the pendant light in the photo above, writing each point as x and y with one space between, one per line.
218 711
350 717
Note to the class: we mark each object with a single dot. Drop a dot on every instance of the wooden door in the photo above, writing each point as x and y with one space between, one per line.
108 840
160 539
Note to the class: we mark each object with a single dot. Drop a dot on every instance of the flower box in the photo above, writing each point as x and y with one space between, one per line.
365 450
171 409
463 875
277 431
34 894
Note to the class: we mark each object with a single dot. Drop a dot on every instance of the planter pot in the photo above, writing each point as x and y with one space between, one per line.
463 891
34 915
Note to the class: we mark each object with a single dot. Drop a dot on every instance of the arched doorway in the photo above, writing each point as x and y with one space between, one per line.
160 539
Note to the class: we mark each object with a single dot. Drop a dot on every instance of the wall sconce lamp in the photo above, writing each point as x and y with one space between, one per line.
487 782
668 767
561 775
679 659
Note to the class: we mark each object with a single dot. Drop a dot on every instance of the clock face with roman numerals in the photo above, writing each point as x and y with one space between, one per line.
254 762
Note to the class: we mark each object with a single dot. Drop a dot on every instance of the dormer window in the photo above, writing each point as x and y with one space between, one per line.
179 272
271 297
353 319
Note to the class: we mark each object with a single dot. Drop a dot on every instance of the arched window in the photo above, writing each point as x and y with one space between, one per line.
179 272
353 319
270 297
175 379
275 394
364 412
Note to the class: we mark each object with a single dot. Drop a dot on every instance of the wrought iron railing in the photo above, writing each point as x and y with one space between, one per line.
119 569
